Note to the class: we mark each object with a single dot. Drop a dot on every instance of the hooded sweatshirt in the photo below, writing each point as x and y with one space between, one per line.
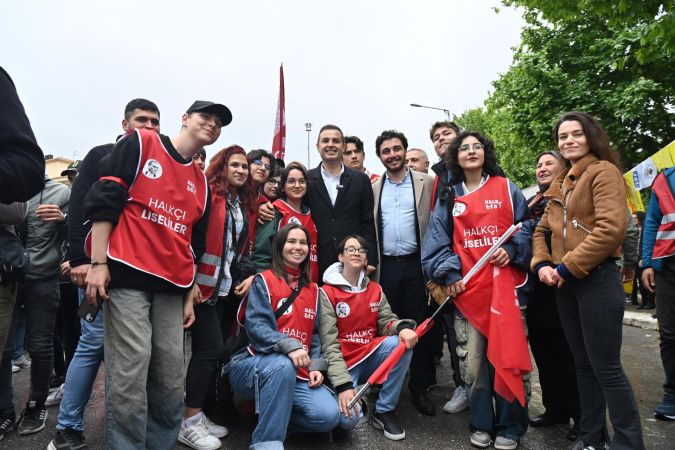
388 323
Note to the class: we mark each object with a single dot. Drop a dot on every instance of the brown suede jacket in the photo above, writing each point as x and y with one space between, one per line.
585 217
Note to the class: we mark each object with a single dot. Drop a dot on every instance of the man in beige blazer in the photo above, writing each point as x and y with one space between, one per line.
402 210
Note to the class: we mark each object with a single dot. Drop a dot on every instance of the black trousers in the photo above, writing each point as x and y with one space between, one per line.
403 284
591 312
207 349
665 313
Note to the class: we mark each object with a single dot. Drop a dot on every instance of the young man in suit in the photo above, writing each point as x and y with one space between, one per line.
402 210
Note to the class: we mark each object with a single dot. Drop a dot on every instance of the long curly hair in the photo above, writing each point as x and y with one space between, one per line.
596 136
490 166
216 174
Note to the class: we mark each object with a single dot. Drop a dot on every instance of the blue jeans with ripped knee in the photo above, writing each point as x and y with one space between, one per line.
281 400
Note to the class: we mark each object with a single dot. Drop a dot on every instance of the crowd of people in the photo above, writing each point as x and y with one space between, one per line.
295 284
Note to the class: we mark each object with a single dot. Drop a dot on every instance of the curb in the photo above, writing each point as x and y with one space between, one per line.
640 320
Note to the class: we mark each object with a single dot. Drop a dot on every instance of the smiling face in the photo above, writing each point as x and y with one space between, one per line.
572 141
548 167
392 154
356 261
296 185
295 249
237 170
202 127
330 145
471 155
442 138
260 172
271 188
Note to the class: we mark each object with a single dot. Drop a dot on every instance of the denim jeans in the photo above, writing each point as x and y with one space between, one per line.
591 311
282 400
82 373
143 345
391 389
507 419
40 299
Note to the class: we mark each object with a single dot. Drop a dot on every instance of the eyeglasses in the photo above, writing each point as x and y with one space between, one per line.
475 146
299 181
273 182
260 163
354 251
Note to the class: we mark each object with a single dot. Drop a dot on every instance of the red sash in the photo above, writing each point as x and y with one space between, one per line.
356 314
664 246
490 302
166 199
288 215
298 320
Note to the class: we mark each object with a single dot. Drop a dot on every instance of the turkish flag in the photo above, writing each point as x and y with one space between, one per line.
279 142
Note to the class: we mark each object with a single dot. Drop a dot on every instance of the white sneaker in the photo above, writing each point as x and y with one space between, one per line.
215 430
15 369
55 396
458 403
197 436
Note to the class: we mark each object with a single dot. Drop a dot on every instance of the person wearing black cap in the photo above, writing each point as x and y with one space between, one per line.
149 228
71 171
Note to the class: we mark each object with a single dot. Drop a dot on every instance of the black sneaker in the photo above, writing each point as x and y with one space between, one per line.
387 422
68 439
32 418
6 425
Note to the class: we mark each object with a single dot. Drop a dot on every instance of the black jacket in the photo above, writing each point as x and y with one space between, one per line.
352 214
22 164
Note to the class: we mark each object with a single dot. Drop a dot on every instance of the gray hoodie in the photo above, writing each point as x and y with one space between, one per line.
328 331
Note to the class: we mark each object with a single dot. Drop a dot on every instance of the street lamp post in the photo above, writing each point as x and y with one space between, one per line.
308 129
447 112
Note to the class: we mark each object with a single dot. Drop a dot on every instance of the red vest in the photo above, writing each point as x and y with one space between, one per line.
299 319
208 267
166 199
356 314
490 302
664 246
288 214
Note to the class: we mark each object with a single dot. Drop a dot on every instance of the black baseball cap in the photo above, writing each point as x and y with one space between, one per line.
218 109
73 167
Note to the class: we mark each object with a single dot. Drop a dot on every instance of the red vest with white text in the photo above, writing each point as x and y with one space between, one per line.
664 245
288 215
298 320
480 218
208 268
166 199
356 314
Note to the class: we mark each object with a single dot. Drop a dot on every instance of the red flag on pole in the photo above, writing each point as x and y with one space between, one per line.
279 143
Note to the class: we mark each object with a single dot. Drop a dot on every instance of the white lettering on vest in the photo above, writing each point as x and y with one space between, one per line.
177 213
360 336
164 221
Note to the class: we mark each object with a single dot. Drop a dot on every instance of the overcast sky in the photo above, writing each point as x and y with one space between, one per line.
357 64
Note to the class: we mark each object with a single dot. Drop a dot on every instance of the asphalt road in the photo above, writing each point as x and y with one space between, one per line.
444 431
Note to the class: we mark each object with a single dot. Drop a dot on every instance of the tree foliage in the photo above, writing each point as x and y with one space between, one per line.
612 59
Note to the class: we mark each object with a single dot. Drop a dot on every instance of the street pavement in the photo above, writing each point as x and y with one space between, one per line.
641 362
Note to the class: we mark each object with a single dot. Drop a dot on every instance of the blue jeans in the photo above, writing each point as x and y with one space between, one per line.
82 373
391 390
507 419
282 401
143 344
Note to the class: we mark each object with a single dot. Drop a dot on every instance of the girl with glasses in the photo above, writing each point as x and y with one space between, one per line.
480 207
288 208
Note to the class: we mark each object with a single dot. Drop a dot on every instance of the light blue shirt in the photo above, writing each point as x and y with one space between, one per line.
332 182
397 209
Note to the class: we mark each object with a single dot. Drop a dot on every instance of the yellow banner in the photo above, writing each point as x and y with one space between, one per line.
642 176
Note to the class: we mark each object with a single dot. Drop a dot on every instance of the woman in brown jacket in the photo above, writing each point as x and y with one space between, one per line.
586 220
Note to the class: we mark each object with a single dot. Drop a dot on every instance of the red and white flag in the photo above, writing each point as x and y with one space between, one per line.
279 143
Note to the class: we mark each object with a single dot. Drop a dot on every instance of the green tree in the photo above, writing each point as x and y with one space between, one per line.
602 57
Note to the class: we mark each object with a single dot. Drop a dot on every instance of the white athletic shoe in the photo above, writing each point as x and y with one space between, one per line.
459 401
197 436
55 396
215 430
